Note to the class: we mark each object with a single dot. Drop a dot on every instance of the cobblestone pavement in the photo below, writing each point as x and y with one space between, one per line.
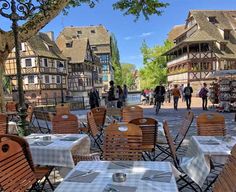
174 119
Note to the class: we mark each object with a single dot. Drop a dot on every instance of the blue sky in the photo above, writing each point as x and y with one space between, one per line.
130 34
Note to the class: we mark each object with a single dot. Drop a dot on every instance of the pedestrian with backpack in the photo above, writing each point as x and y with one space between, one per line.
188 95
203 94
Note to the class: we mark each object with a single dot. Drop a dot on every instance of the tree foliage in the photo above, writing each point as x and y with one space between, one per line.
154 71
115 59
128 72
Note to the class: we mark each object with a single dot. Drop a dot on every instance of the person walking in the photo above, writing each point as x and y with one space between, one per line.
176 95
203 94
111 95
121 97
93 98
125 92
188 95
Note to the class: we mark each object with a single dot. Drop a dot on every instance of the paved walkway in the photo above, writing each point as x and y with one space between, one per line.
174 119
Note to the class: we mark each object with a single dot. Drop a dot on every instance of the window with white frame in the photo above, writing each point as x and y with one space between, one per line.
28 62
58 79
31 79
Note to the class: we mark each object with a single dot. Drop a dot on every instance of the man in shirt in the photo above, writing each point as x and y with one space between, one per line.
188 95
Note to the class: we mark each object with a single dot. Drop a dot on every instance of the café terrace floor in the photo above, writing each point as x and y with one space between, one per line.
174 118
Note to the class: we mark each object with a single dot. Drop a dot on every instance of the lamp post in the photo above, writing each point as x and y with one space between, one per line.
18 10
61 69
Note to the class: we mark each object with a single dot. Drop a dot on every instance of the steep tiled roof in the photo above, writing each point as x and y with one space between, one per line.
77 52
45 47
214 31
175 32
97 35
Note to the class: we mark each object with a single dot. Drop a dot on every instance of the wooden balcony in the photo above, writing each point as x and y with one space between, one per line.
178 60
24 71
52 86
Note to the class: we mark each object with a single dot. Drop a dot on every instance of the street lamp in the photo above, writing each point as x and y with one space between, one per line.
61 69
18 10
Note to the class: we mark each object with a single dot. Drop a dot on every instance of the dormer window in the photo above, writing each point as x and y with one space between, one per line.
226 34
94 48
222 47
79 32
69 45
212 20
92 31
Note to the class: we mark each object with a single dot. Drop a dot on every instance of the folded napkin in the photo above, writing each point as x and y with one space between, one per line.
158 176
69 139
119 188
82 176
41 143
208 142
120 165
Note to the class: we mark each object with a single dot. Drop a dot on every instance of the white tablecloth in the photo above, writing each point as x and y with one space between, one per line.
58 153
134 175
197 162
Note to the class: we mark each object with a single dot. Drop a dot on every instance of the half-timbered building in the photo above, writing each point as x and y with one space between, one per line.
84 68
100 42
205 45
40 60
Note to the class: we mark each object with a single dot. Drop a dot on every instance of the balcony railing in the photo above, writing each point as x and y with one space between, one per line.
178 59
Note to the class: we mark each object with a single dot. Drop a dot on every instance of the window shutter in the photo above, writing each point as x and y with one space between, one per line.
35 79
22 62
23 46
25 80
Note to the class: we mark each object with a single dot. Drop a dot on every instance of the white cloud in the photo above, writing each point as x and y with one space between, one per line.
144 34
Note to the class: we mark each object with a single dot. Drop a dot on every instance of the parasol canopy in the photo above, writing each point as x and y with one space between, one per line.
222 73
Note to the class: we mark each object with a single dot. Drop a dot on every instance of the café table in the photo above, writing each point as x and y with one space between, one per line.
204 150
57 149
141 176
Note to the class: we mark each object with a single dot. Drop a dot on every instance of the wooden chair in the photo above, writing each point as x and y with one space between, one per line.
131 112
63 109
65 124
11 106
99 114
11 110
226 180
3 123
43 120
149 128
122 142
113 113
41 174
94 131
211 124
172 152
179 138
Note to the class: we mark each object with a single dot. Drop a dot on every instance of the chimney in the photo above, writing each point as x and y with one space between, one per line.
51 35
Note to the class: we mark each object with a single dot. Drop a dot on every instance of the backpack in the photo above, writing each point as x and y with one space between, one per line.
187 91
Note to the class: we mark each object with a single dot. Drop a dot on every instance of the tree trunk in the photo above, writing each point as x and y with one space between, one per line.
26 31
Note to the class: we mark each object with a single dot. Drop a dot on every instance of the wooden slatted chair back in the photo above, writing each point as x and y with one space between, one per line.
65 124
149 128
113 111
11 106
63 109
122 142
211 124
184 128
16 174
170 143
3 123
131 112
24 145
93 128
226 180
43 115
99 114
